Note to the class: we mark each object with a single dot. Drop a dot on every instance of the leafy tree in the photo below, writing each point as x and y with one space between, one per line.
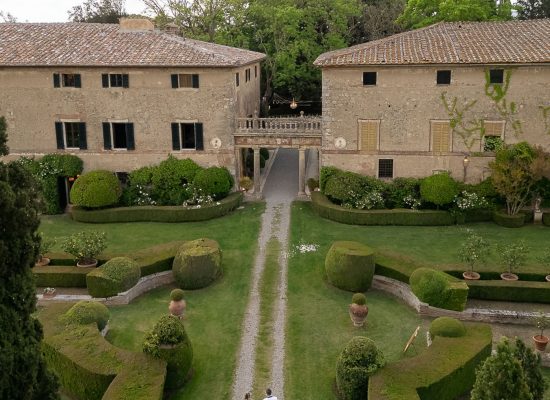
420 13
102 11
7 17
533 9
516 170
24 374
4 150
501 376
377 20
531 364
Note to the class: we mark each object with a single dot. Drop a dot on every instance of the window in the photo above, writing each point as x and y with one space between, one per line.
187 135
67 80
237 79
255 71
118 135
496 76
247 75
368 135
115 80
71 135
369 78
185 81
385 168
444 77
492 136
441 136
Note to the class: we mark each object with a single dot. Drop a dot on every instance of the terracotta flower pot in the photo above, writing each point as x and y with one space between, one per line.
177 308
541 342
471 276
43 261
88 263
358 314
509 277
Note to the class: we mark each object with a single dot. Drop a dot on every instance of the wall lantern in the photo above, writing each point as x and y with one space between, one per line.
293 104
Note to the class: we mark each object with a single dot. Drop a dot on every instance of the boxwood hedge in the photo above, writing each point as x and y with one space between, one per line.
116 276
439 289
326 209
509 221
61 276
158 213
546 218
416 378
350 266
518 291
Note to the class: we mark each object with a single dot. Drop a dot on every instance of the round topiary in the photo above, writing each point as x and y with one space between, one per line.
96 189
350 266
447 327
115 276
359 298
197 264
429 286
169 342
359 360
177 295
439 189
87 312
168 180
214 181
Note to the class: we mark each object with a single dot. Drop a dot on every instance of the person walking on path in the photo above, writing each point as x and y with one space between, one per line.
269 395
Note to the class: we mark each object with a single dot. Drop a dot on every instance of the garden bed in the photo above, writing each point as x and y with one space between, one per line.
158 213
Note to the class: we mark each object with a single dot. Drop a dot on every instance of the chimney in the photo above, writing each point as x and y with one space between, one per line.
136 24
172 29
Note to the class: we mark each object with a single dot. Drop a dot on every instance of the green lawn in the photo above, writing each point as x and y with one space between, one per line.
427 245
214 314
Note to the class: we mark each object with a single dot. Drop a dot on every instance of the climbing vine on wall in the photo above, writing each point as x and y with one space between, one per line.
468 130
545 110
497 93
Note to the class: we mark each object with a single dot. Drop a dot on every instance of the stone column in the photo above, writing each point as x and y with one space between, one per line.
257 176
301 171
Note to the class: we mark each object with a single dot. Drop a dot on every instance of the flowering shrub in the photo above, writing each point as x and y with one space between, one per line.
412 202
370 200
143 196
85 245
469 201
197 197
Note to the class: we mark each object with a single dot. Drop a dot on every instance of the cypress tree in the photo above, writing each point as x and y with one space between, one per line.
24 375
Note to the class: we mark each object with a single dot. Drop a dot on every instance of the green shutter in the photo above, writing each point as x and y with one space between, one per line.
130 143
77 81
199 140
59 135
105 80
195 81
107 136
82 140
125 81
56 81
174 78
176 145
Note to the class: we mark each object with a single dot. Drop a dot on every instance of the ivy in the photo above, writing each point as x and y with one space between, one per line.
497 93
469 131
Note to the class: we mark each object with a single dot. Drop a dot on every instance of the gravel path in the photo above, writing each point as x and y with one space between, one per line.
280 190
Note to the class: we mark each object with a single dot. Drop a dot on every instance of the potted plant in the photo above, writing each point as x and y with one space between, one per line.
48 293
545 261
85 246
46 245
473 250
177 303
513 256
542 322
358 309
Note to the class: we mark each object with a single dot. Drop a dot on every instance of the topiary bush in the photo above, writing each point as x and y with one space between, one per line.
439 189
96 189
325 174
343 187
359 298
115 276
86 312
357 362
214 181
439 289
169 180
197 264
350 266
447 327
169 342
177 295
509 221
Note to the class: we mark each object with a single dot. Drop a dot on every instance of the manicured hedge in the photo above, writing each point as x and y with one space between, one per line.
509 221
478 215
88 312
447 327
442 372
158 213
546 218
116 276
197 264
350 266
439 289
90 368
326 209
61 276
519 291
96 189
157 258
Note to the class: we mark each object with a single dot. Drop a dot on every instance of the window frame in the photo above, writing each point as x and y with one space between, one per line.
500 136
499 74
444 72
360 134
450 146
127 123
125 82
237 79
366 75
177 82
392 168
60 80
247 75
65 141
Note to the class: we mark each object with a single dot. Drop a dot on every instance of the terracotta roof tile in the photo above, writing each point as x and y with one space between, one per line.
507 42
81 44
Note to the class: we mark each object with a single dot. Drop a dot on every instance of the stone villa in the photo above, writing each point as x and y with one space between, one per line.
437 98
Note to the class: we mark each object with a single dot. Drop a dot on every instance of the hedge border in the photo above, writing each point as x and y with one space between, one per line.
158 213
415 378
546 218
509 221
404 217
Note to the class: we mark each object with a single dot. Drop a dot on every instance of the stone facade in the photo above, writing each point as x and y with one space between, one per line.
406 100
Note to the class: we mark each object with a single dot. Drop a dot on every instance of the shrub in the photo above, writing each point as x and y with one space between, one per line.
439 289
170 179
447 327
169 342
138 191
197 264
246 183
509 221
96 189
344 187
177 295
264 153
473 250
85 245
517 291
214 181
401 188
86 312
350 266
115 276
513 255
546 218
359 298
358 361
325 175
531 364
439 189
312 184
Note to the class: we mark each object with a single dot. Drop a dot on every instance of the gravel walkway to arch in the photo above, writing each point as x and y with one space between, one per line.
279 191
